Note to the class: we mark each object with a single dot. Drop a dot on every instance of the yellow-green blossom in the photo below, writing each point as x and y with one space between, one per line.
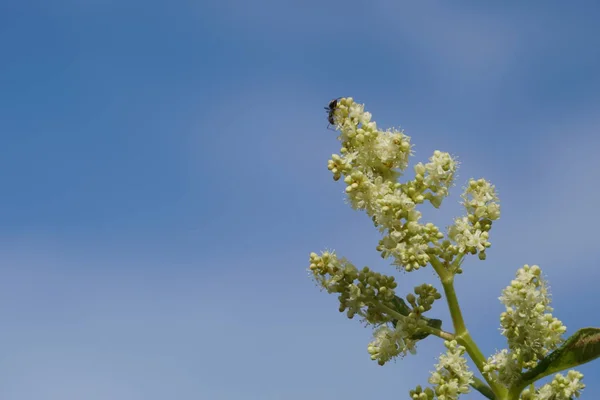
561 388
531 330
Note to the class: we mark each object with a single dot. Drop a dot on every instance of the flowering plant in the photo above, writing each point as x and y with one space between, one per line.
371 162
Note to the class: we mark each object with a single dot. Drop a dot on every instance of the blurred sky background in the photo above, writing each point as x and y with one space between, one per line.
164 180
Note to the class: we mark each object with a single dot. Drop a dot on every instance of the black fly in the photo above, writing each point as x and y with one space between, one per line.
331 110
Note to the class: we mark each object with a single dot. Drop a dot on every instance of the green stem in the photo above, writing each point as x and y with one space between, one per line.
482 388
515 392
463 337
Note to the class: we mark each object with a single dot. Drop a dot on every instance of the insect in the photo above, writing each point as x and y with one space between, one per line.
331 110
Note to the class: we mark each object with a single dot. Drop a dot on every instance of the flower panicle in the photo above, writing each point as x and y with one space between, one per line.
528 325
370 162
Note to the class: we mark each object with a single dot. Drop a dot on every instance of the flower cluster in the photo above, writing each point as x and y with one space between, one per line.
371 161
360 292
451 377
389 343
561 388
436 176
402 335
528 324
427 294
423 302
470 234
371 295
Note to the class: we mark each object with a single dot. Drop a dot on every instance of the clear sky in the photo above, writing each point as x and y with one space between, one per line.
164 180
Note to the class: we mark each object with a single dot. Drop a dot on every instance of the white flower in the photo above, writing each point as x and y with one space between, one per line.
467 237
561 387
480 200
389 343
527 323
440 170
451 376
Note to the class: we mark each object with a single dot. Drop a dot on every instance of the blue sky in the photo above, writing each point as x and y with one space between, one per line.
164 180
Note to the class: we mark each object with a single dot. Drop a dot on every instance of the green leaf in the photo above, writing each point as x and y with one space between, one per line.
401 307
582 347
